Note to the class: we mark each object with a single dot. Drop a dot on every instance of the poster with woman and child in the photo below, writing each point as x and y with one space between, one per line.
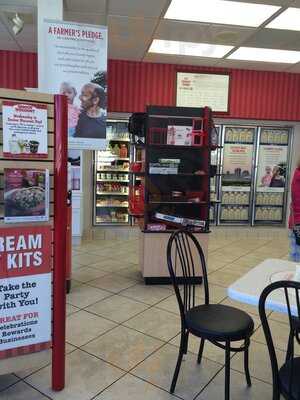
76 66
272 164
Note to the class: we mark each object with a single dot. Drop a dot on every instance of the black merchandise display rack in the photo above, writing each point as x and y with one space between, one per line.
175 179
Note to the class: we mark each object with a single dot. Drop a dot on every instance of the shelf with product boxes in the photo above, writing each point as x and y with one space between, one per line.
235 198
235 204
112 188
115 193
274 136
112 203
113 180
268 213
175 187
113 218
269 199
235 213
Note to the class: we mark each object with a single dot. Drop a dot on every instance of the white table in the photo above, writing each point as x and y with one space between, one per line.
248 288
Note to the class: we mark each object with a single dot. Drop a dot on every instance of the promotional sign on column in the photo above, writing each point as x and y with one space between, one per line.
24 130
76 66
25 290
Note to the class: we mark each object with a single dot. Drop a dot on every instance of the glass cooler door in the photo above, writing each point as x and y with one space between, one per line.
111 186
238 161
214 180
272 176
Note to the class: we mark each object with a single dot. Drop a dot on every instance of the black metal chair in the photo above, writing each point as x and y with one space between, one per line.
286 378
216 323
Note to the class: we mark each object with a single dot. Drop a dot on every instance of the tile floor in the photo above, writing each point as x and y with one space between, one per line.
123 337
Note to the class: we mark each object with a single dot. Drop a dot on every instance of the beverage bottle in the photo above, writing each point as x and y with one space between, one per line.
263 138
13 144
123 151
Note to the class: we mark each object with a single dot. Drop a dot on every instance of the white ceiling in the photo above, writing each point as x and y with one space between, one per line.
133 24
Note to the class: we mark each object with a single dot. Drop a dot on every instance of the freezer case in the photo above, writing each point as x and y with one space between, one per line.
272 172
237 170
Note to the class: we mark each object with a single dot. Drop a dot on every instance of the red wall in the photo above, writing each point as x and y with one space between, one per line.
132 85
18 70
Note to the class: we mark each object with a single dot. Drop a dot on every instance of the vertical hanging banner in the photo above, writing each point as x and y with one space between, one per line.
75 65
25 290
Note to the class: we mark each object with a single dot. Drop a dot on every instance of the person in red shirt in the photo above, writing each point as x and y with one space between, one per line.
294 220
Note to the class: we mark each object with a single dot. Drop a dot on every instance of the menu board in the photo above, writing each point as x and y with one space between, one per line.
199 90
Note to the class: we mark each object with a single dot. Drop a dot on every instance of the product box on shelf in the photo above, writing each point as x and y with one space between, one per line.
156 227
179 135
169 161
180 220
163 169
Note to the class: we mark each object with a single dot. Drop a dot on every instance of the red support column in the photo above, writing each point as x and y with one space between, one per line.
60 237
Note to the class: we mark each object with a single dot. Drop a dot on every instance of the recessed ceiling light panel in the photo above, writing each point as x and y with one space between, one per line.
189 48
265 55
220 12
288 20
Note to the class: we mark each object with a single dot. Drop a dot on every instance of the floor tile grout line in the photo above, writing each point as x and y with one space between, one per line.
109 271
38 390
103 390
121 368
108 260
107 290
208 383
194 354
96 337
147 334
101 359
82 308
12 384
252 376
156 386
49 363
142 302
178 313
117 322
